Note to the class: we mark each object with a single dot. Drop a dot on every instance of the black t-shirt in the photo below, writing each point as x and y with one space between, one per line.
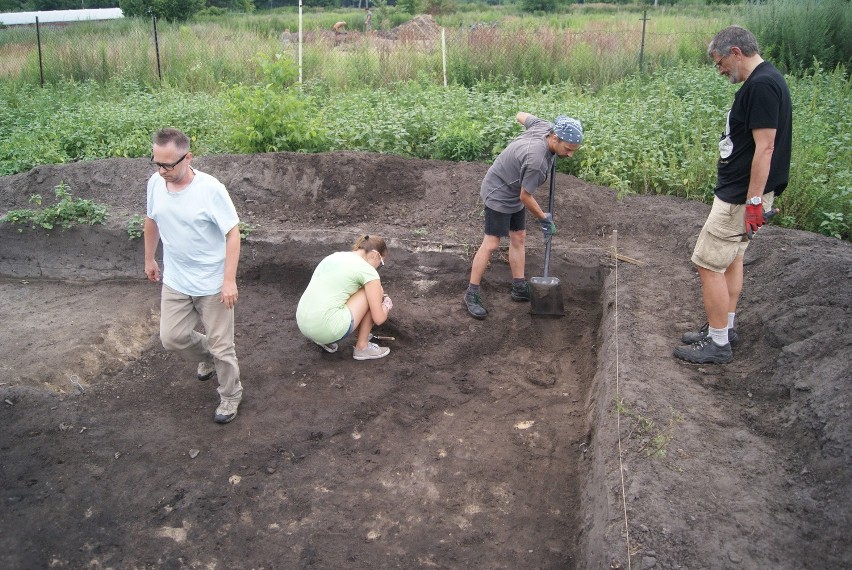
763 102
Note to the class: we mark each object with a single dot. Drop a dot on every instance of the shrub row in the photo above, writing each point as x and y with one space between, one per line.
656 134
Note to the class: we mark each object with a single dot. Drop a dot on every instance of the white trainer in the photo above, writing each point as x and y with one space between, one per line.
227 411
331 347
372 352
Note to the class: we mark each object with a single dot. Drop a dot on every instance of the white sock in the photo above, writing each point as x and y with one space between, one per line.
731 320
719 336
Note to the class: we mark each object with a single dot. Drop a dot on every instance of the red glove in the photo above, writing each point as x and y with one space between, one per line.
753 218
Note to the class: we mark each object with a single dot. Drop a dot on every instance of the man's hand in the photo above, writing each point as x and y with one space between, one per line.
753 218
229 294
152 270
547 225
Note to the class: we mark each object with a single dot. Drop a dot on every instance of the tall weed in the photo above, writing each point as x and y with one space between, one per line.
273 115
798 34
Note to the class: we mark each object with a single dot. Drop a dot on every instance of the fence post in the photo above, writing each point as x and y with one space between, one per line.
444 53
300 44
157 50
40 64
642 47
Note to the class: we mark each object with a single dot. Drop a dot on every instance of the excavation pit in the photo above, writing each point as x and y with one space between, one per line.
514 442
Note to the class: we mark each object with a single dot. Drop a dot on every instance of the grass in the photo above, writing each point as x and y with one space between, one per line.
651 439
578 45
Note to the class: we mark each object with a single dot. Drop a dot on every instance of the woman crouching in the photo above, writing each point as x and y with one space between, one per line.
345 293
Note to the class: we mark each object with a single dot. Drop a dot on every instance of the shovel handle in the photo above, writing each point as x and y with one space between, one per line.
550 208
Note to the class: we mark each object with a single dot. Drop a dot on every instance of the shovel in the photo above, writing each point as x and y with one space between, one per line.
545 292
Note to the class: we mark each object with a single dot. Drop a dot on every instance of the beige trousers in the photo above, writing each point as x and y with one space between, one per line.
179 315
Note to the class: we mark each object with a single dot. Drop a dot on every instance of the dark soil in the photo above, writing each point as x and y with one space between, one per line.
516 442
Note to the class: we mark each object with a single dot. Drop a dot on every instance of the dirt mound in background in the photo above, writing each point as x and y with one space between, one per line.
422 27
501 443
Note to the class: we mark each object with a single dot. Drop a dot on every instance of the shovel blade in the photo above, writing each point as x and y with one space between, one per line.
546 296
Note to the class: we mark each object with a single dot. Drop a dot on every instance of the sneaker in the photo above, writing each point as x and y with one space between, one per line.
332 347
703 332
522 293
372 352
206 371
227 411
705 351
474 305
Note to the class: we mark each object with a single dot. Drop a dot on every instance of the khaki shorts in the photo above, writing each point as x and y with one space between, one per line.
718 243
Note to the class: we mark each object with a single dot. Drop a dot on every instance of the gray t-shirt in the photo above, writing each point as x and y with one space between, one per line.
523 164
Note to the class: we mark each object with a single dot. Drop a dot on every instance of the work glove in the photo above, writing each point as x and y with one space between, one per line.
753 218
547 225
386 302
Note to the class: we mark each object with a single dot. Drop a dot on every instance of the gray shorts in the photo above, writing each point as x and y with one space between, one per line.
719 242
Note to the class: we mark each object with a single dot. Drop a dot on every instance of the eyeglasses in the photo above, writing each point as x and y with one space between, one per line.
381 260
718 64
164 166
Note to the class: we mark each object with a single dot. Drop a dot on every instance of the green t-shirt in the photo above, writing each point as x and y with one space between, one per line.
322 314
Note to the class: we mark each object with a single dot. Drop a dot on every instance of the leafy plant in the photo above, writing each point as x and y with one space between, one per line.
652 440
459 142
834 225
65 213
274 116
136 227
246 229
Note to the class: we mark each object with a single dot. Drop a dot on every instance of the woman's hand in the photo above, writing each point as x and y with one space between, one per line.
387 303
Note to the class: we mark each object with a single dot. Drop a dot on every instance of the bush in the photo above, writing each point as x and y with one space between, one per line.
538 5
275 116
797 34
460 142
172 10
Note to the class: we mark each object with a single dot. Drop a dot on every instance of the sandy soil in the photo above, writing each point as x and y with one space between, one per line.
516 442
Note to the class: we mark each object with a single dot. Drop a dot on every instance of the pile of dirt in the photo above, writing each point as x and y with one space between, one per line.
422 27
517 441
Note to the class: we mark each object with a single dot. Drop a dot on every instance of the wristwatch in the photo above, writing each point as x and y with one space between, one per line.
756 201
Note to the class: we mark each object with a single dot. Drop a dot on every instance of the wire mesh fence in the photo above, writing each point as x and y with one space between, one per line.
208 56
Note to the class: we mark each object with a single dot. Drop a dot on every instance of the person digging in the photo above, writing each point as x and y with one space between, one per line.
507 193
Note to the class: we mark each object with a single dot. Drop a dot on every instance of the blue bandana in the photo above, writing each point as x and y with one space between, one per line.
568 129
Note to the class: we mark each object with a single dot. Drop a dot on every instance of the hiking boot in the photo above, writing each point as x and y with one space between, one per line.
697 336
521 293
227 411
331 347
372 352
206 371
705 351
474 305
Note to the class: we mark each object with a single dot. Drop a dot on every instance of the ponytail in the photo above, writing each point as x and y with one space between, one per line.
370 243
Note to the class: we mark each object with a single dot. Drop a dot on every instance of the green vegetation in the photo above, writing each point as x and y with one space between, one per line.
798 35
164 9
232 85
136 226
274 116
246 230
65 213
651 439
210 54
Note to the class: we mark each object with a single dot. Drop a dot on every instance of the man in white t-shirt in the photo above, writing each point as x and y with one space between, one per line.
193 215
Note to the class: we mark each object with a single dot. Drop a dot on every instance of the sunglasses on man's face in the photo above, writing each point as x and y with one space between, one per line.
165 166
